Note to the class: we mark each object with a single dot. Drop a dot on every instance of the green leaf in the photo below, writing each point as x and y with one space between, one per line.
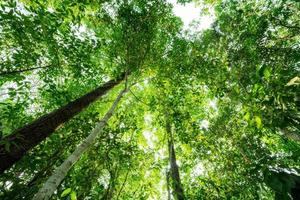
258 121
7 146
247 116
256 87
267 73
73 195
65 192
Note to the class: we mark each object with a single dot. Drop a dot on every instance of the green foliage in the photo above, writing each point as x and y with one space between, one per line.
66 192
231 92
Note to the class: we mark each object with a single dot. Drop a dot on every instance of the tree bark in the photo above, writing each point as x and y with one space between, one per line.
59 174
168 184
174 171
27 137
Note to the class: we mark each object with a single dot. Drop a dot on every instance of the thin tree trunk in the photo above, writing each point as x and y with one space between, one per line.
112 184
59 174
27 137
123 184
174 171
45 171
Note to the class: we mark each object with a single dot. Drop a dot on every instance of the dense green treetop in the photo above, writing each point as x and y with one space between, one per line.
231 94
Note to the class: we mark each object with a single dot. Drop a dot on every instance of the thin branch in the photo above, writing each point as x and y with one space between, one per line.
281 23
22 70
123 184
137 98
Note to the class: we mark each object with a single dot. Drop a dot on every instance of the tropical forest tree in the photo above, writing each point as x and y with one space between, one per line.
120 99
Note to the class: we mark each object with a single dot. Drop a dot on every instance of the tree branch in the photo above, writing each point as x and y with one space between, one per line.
22 70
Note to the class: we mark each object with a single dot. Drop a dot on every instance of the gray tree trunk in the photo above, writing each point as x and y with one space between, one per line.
59 174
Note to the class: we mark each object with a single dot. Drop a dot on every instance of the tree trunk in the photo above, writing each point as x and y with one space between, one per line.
27 137
46 171
174 171
114 173
59 174
123 185
168 184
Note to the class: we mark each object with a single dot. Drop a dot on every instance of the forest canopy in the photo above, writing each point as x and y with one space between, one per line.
117 99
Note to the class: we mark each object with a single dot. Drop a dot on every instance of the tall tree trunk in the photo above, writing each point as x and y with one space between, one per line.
27 137
168 184
59 174
174 171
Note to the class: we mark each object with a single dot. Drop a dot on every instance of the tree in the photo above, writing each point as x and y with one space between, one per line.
59 174
174 171
32 134
231 93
